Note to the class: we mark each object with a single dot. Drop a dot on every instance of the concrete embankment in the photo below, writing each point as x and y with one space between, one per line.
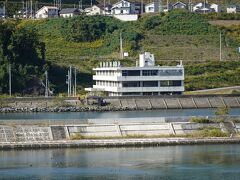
113 132
135 142
119 103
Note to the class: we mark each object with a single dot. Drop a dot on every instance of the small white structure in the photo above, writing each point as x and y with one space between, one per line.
126 17
144 79
233 9
123 7
69 12
94 10
204 7
152 7
216 7
47 12
179 5
98 10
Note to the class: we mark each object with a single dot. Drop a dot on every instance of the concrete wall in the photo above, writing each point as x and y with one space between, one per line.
180 102
106 128
137 102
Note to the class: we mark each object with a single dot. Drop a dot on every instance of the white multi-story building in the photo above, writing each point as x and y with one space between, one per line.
144 79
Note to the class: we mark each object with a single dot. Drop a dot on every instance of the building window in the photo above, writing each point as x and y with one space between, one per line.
170 72
150 72
131 93
150 84
131 73
170 83
131 84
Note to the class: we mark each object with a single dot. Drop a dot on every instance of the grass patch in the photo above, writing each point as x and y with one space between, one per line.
199 120
209 132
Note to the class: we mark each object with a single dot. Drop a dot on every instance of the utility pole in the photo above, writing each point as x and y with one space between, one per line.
10 80
36 8
167 5
4 10
70 80
31 11
26 10
80 5
104 7
46 84
23 5
67 82
141 6
91 3
75 81
220 46
121 46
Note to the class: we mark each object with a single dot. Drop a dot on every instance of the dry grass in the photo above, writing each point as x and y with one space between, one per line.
225 23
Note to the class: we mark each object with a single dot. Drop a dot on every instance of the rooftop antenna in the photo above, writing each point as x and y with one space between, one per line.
121 46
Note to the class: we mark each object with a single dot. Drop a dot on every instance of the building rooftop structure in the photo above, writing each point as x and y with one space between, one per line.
143 79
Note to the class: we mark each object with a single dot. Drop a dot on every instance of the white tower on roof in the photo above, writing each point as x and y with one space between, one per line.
146 59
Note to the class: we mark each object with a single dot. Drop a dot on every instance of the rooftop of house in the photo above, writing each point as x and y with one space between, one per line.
68 10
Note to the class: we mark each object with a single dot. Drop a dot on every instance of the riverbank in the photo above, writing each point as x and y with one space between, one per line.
108 143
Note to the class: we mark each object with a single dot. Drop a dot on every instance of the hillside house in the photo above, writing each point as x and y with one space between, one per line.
204 7
152 7
98 10
47 12
233 9
69 12
25 13
123 7
179 5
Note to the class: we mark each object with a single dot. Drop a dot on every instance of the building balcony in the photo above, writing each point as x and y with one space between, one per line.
141 89
137 78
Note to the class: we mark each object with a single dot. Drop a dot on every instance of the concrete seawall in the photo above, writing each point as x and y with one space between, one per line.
119 103
176 102
99 143
49 134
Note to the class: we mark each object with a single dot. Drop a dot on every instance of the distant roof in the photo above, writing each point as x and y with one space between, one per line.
179 2
68 10
48 7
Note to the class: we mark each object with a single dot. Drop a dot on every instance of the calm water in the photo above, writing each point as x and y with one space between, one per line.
117 114
170 162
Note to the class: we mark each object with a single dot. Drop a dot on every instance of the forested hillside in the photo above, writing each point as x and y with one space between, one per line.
84 41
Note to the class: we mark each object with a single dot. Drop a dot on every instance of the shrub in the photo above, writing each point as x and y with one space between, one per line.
199 120
209 132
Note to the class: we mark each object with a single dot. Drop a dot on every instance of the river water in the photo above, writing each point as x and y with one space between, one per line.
167 162
116 114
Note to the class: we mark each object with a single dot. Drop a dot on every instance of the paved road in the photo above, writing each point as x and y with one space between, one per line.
219 89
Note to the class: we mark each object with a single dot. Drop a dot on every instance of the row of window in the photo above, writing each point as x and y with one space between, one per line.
149 93
139 84
151 83
152 72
